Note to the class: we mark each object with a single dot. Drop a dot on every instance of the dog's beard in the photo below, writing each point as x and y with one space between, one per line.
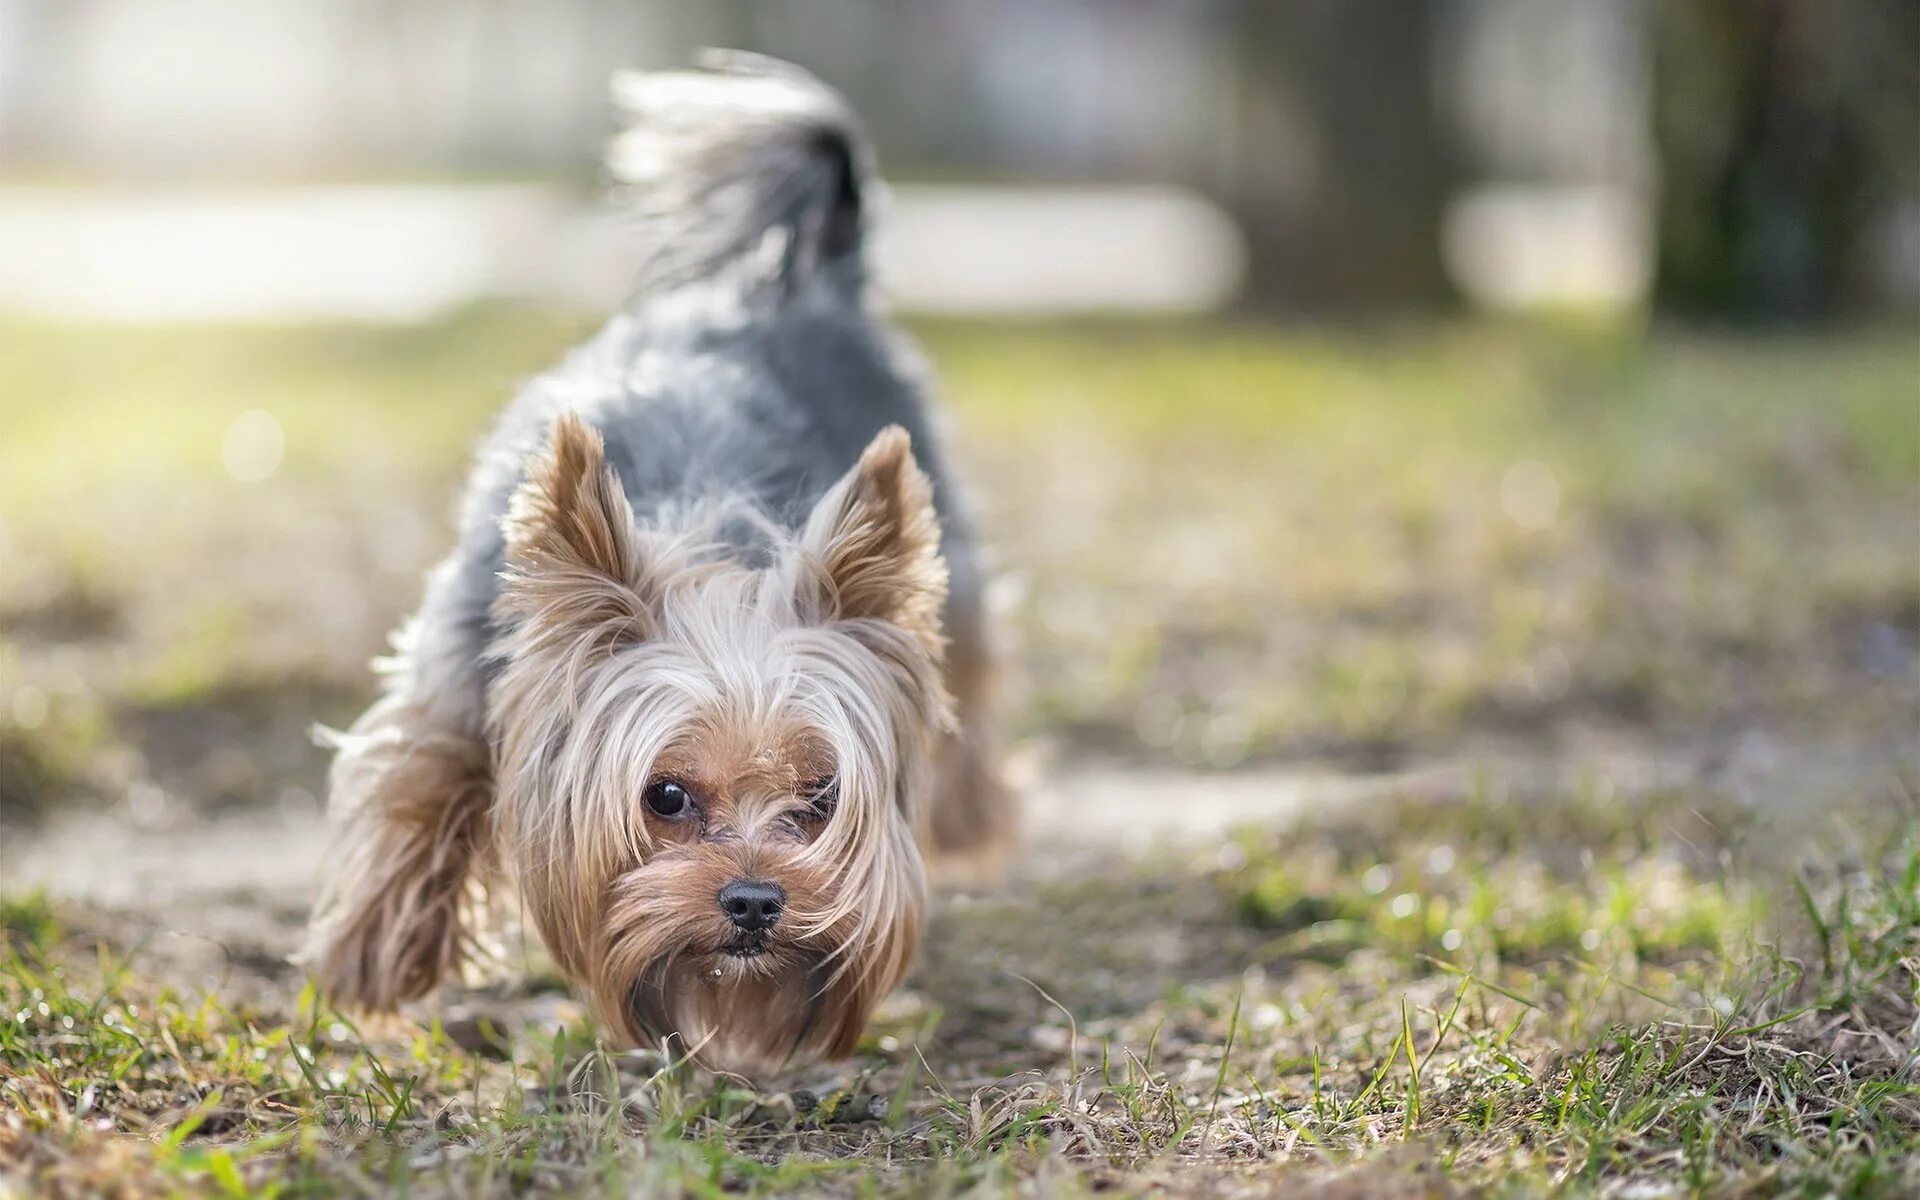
748 1016
674 975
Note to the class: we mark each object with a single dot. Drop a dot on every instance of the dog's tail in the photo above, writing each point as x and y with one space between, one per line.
748 168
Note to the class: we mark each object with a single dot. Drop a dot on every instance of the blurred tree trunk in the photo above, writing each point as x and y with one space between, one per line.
1782 128
1339 167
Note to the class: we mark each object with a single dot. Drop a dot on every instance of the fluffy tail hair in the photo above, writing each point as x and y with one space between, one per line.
749 165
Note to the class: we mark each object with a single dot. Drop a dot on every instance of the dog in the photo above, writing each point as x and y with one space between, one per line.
705 682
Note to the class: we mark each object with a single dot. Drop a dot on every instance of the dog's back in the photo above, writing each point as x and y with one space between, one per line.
747 372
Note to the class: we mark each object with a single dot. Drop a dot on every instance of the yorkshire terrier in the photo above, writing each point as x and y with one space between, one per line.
707 673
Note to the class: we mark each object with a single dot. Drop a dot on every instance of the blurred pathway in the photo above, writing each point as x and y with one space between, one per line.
410 252
271 855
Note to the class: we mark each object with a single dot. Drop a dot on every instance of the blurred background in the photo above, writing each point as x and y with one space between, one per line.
1350 388
1738 159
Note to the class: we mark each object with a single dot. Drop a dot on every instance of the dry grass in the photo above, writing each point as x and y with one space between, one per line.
1534 994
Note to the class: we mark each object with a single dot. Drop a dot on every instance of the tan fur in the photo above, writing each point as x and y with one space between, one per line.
972 815
878 544
571 548
405 885
634 655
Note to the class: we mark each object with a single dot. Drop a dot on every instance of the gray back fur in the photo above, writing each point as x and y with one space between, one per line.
749 368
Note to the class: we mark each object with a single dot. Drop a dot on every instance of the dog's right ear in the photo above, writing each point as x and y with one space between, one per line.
572 557
873 545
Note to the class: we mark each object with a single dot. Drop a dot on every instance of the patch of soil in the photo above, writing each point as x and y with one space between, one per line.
67 614
240 744
31 786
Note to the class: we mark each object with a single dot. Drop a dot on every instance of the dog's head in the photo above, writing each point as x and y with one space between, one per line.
711 776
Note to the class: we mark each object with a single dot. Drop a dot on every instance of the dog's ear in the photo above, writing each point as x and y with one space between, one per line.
573 558
872 545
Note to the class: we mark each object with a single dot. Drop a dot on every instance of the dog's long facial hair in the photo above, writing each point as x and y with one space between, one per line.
710 777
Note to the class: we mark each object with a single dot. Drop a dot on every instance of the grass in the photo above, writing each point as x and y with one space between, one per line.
1222 547
1655 1016
1374 548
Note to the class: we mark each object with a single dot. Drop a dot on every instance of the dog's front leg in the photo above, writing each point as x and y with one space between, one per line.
403 886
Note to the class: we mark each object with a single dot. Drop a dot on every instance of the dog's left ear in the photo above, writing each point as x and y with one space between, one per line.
573 558
872 545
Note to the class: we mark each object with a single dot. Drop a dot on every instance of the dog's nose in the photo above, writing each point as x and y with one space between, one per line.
753 904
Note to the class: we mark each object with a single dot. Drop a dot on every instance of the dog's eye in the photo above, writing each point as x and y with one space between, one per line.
667 797
822 795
